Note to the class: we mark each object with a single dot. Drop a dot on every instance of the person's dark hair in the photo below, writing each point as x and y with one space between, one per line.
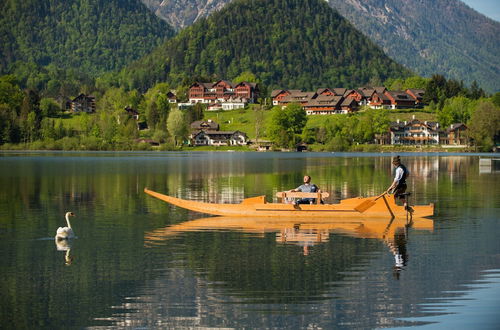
396 160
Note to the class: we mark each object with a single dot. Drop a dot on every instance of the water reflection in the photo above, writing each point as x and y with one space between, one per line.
297 276
65 245
304 232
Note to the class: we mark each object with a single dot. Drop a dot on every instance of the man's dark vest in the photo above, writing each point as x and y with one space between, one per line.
405 175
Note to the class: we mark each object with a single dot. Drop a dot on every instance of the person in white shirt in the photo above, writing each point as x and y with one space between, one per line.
398 186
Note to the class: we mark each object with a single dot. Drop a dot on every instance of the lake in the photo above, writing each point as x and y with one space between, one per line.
138 262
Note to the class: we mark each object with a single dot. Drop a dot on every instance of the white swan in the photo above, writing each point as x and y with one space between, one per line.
66 232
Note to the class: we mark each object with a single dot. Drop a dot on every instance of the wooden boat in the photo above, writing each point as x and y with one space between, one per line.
374 207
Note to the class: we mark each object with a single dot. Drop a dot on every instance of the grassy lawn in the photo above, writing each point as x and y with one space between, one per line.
245 120
237 120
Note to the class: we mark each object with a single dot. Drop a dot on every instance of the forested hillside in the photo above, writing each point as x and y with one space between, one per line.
428 36
42 40
284 43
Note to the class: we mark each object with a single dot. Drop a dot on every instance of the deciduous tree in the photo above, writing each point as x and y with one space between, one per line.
286 125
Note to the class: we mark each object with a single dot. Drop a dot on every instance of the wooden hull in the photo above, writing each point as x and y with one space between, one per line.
294 230
257 207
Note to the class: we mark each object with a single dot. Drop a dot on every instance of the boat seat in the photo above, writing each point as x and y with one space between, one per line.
297 194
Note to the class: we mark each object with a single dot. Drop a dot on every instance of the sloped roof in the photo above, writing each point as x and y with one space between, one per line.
204 124
455 126
340 91
348 101
325 100
299 96
400 96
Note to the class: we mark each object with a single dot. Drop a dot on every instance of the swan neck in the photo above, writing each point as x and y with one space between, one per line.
67 221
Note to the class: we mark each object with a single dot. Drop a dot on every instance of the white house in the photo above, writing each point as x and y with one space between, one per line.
219 138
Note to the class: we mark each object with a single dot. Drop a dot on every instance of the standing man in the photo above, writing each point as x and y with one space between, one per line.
306 187
398 186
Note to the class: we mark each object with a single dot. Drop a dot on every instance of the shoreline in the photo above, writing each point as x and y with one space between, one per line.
388 152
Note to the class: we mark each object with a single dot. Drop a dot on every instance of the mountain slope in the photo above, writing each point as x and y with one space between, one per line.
285 43
86 35
428 36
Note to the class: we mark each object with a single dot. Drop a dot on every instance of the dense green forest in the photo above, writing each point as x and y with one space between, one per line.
293 43
58 47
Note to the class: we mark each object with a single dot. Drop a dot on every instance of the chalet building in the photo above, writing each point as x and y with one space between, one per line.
277 95
206 133
391 100
455 135
172 98
417 95
322 102
324 105
298 97
229 104
219 138
356 95
379 101
205 125
222 90
83 103
400 100
349 105
418 132
326 100
368 92
330 92
414 132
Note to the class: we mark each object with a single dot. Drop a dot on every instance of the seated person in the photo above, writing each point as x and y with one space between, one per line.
306 187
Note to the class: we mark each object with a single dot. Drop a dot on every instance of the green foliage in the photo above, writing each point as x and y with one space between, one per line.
49 107
286 125
413 82
43 41
246 76
177 126
283 43
484 126
456 110
155 106
439 89
496 99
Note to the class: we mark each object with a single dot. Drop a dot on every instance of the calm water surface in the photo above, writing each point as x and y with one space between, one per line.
135 263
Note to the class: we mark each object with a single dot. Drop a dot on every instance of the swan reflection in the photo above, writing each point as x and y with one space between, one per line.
65 245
